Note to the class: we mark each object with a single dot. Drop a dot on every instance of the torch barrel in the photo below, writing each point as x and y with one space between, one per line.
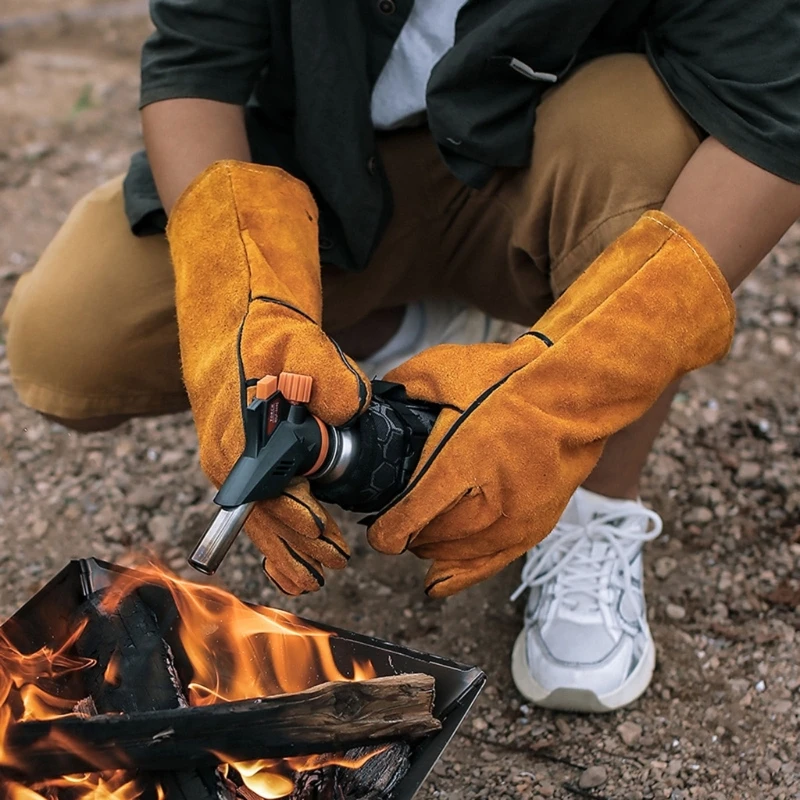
219 537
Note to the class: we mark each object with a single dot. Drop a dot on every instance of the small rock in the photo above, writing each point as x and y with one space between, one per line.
748 472
629 732
479 724
782 346
162 529
39 528
173 457
665 566
699 514
675 612
774 765
36 150
781 707
781 318
563 727
114 534
145 497
593 777
761 687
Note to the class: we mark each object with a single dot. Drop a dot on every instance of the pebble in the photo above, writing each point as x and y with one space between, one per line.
781 318
114 534
782 346
700 514
781 707
629 732
161 529
748 472
665 566
593 777
675 612
145 497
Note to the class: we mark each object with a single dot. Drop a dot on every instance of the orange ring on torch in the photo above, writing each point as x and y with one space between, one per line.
325 443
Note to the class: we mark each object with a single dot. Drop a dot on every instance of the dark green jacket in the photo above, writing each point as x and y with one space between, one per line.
306 69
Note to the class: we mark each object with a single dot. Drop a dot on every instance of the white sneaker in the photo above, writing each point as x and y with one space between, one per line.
586 644
432 322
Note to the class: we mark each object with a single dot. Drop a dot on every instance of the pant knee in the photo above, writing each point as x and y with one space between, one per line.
85 364
48 347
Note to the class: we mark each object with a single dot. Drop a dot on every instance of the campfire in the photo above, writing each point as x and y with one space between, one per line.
126 684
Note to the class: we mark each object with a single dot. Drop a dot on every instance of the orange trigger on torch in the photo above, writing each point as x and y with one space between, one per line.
266 387
295 388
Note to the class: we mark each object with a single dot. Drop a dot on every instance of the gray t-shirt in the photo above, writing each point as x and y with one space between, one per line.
398 98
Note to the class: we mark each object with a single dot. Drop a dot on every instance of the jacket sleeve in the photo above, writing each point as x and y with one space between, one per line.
210 49
735 68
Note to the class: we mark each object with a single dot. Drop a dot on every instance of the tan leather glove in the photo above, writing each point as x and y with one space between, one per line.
525 423
244 246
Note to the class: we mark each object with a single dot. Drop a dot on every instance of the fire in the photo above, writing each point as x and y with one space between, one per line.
227 644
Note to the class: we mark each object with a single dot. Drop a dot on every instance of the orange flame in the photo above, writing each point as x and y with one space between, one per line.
236 652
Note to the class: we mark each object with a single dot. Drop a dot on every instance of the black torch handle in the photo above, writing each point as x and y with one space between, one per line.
361 467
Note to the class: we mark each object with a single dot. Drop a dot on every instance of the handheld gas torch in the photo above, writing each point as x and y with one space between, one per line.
360 467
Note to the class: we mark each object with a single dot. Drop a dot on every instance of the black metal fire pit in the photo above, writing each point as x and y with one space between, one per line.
48 619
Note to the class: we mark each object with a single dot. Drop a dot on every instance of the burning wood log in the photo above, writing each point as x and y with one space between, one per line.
134 672
375 779
113 667
363 773
331 717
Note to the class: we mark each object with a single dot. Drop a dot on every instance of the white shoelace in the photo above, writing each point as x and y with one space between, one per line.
582 574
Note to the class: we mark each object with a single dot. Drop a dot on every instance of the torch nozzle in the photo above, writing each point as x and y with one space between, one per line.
219 537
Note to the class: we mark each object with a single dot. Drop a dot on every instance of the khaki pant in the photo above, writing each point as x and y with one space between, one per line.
92 331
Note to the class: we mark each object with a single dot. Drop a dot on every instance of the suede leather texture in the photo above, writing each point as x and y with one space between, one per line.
244 246
525 423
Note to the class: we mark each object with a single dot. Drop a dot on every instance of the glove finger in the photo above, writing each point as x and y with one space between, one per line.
395 529
287 340
284 583
330 550
473 513
316 553
299 511
295 570
279 545
446 578
461 372
449 576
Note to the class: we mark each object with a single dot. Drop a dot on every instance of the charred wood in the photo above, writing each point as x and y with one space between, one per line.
374 780
134 672
331 717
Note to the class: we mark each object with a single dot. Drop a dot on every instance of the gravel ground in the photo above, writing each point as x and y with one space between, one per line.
721 719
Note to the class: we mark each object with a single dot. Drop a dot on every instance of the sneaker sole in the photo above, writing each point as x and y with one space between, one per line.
581 700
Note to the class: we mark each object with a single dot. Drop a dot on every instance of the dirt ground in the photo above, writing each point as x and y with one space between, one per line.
722 716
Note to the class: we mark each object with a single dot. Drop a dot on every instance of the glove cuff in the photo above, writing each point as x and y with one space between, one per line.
636 258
